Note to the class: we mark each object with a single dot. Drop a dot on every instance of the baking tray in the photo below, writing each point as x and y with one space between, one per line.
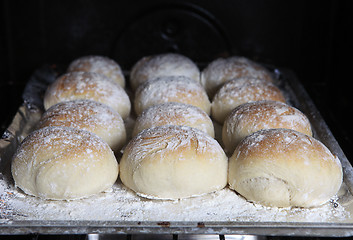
223 212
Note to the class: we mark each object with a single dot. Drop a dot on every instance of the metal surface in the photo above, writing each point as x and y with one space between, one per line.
297 96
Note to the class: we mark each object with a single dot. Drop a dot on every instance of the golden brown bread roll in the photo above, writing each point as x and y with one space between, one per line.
88 115
171 89
173 113
223 69
88 85
172 162
284 168
251 117
242 90
98 64
64 163
162 65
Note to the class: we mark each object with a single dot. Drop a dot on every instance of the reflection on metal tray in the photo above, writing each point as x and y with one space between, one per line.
121 211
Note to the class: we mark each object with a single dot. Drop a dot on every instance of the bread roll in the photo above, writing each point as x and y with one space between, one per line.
171 89
64 163
284 168
172 162
173 113
98 64
251 117
88 85
88 115
223 69
162 65
239 91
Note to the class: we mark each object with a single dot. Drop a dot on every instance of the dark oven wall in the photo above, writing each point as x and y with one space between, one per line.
309 37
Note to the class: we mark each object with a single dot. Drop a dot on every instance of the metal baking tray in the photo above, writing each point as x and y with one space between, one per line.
55 217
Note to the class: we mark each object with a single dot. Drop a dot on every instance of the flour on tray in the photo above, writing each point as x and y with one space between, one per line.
121 204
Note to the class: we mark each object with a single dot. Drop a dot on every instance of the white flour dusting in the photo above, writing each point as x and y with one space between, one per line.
98 64
121 204
171 89
162 65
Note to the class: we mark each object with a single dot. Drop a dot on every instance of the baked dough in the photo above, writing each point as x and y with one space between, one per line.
223 69
284 168
88 85
173 113
64 163
88 115
242 90
171 89
172 162
161 65
251 117
98 64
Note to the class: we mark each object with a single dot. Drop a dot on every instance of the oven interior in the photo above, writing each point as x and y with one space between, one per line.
309 37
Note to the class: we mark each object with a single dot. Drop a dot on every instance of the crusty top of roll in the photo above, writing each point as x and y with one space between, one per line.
90 116
171 89
173 113
88 85
267 114
82 113
242 90
98 64
251 117
167 64
294 145
223 69
172 138
61 140
249 89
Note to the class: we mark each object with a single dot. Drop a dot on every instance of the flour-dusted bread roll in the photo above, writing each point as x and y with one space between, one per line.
242 90
88 85
223 69
171 89
64 163
98 64
283 168
90 116
161 65
251 117
173 113
173 162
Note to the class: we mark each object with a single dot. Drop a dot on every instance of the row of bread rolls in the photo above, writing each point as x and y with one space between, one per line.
90 96
168 91
71 154
274 159
173 153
